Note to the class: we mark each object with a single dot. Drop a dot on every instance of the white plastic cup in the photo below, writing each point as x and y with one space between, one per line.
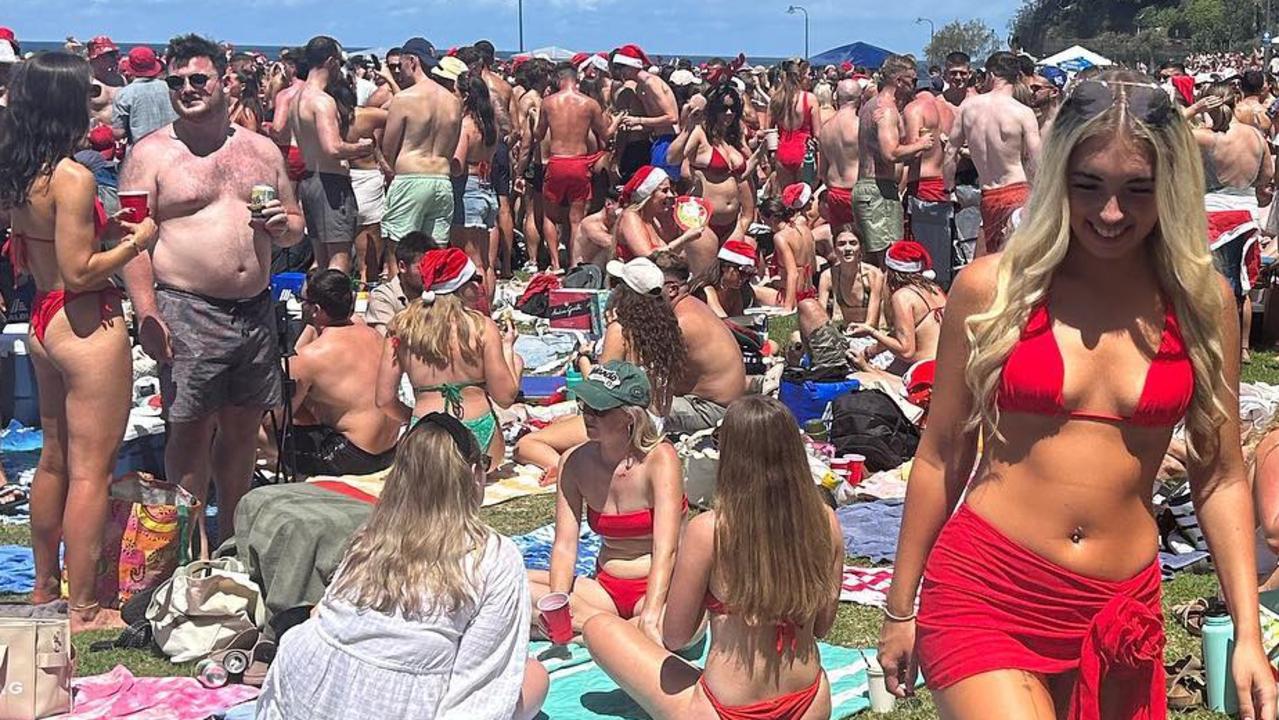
770 139
881 701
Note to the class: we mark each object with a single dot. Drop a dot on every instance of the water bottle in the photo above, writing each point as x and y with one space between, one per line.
1218 645
572 379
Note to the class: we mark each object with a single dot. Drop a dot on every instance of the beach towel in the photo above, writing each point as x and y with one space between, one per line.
118 694
524 483
536 549
870 529
866 586
581 690
17 570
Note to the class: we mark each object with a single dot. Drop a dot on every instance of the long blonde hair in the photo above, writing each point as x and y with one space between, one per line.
1182 262
429 330
417 552
773 548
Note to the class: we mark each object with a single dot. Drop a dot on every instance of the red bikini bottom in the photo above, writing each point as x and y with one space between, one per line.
790 706
47 305
626 592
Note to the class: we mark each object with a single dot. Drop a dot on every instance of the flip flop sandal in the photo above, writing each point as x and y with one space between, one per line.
13 497
135 637
1185 685
262 657
1191 615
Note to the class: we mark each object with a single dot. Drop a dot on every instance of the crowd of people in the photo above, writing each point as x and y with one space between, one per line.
1090 214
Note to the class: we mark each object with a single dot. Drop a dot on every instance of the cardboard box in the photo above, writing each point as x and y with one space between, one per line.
580 310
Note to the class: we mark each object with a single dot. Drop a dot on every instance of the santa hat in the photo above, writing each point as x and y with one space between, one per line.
517 61
797 195
1184 85
578 59
846 66
918 382
631 56
588 61
907 256
642 184
443 272
737 252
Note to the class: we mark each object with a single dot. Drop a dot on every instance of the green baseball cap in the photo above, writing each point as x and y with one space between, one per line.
614 384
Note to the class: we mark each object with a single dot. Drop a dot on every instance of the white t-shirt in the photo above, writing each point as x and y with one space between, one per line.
364 89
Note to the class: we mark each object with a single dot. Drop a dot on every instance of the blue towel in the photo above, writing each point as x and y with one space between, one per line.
870 529
536 549
17 570
1170 564
19 438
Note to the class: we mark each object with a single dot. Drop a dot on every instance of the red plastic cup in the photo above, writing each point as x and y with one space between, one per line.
856 469
840 466
557 617
137 202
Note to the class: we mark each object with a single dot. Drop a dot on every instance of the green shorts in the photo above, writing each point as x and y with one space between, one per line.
877 208
419 203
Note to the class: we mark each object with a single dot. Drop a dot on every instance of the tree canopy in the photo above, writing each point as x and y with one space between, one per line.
974 37
1136 26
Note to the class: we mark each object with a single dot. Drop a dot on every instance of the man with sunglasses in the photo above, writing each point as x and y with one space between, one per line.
1003 141
201 297
325 190
1046 88
338 428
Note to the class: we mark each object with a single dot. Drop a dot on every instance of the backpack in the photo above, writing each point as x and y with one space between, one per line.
869 423
584 277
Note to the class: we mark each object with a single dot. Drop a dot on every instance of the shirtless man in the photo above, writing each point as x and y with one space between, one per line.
839 156
594 238
325 189
572 125
422 131
715 375
1251 110
281 131
500 91
338 428
530 166
875 199
927 201
202 296
368 177
1003 141
660 118
104 58
959 79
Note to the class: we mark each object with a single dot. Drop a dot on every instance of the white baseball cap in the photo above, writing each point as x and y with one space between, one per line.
7 55
641 274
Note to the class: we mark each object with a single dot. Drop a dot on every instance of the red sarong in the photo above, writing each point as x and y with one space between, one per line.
839 206
929 189
990 604
568 178
997 208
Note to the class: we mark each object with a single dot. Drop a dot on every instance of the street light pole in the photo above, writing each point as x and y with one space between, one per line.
791 11
932 29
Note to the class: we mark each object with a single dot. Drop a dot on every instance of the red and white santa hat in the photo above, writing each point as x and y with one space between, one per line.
908 256
737 252
631 56
598 60
797 195
642 185
443 272
578 58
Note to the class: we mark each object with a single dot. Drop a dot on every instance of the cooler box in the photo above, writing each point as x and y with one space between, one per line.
291 281
537 387
581 310
144 453
19 399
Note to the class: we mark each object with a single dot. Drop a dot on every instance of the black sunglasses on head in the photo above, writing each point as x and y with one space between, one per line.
198 81
1148 102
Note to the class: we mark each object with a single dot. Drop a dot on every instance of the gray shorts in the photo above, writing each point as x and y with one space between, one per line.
328 201
225 353
689 414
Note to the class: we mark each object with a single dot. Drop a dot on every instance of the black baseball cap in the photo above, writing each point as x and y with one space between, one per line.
423 50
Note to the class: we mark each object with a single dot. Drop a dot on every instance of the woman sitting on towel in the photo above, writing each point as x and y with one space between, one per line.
630 482
1073 354
642 329
78 341
765 566
456 357
428 614
916 303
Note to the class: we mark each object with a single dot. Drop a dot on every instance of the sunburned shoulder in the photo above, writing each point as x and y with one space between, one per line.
256 142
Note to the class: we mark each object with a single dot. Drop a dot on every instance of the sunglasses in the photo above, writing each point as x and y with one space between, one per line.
1146 101
198 81
587 410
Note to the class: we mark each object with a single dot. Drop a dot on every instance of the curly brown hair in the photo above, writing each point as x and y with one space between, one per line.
896 280
653 338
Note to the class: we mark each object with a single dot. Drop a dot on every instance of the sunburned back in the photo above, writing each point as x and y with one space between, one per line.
715 370
838 139
569 116
432 122
342 365
994 127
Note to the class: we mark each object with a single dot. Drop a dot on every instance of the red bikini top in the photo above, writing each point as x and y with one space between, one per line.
783 632
719 163
1033 374
624 526
16 247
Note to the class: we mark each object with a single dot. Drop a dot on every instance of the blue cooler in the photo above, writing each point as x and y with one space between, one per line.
291 281
808 399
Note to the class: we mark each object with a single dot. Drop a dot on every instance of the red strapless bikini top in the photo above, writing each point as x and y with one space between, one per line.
1034 372
623 526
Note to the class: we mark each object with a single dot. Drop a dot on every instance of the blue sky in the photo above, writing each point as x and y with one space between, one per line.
659 26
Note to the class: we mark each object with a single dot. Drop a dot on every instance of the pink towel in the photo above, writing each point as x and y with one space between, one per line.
866 586
118 694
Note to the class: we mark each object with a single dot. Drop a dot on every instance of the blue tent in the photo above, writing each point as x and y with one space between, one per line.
858 53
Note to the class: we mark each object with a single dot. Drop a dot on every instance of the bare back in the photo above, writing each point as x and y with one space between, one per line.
423 128
571 118
500 90
312 109
658 100
840 150
871 160
1238 154
923 116
715 370
281 126
1002 134
338 368
369 123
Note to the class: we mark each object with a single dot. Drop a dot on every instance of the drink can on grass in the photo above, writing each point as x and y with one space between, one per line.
211 673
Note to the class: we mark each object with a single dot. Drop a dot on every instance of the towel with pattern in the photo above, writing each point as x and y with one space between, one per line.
866 586
536 549
118 694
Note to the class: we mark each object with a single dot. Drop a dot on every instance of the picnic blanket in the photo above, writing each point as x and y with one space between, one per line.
581 690
17 570
525 483
536 549
870 529
866 586
118 694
